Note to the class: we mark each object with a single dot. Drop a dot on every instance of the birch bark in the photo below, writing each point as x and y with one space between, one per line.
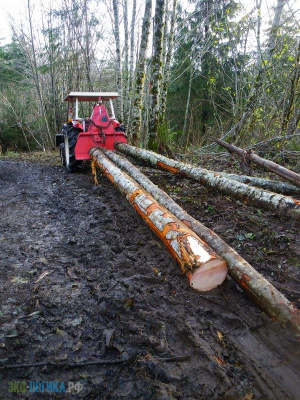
156 76
204 269
167 67
272 201
253 283
126 59
267 164
118 58
140 75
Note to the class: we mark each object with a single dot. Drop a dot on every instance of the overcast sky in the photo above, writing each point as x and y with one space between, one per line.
17 8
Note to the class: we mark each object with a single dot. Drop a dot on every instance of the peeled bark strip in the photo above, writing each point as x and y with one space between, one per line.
267 184
268 298
204 269
259 197
267 164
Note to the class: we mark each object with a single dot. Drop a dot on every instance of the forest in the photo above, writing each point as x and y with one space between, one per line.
187 71
141 260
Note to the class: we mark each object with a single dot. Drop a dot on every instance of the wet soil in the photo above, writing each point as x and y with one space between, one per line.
84 280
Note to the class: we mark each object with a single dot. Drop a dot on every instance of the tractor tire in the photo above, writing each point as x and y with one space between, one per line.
70 139
62 154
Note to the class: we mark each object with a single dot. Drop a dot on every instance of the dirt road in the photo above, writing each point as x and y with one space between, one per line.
83 279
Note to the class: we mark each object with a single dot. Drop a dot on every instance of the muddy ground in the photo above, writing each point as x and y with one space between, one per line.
84 280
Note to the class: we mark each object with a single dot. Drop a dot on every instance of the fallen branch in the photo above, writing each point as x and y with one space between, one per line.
274 139
267 164
66 364
275 202
204 269
174 358
91 362
256 286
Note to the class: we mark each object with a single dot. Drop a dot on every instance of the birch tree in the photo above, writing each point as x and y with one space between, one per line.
140 74
126 59
167 66
118 57
156 76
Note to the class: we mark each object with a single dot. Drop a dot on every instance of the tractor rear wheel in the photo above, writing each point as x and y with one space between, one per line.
70 139
62 154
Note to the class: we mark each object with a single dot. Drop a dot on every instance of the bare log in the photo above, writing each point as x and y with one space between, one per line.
267 164
275 202
267 184
204 269
268 298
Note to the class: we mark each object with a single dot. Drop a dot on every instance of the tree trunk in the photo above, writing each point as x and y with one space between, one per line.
34 66
272 42
156 76
131 64
140 75
167 67
131 60
126 58
185 136
204 269
262 292
273 186
118 58
275 202
290 102
267 164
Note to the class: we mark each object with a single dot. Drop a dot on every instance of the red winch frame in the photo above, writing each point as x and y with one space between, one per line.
99 130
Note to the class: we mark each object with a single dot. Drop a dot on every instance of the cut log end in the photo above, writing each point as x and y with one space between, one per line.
209 275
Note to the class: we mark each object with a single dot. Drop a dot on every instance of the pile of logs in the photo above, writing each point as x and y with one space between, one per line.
202 255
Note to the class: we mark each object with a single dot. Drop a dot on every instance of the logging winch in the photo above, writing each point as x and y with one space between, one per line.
79 135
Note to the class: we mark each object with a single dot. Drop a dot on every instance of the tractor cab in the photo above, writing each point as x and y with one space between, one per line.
80 134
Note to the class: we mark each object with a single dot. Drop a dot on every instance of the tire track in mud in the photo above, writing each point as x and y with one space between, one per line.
113 291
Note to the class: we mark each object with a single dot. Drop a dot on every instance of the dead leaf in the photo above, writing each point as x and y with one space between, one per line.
42 276
220 360
108 333
248 396
220 336
128 303
77 346
19 280
76 321
43 260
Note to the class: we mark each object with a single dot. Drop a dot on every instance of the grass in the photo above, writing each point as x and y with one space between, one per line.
41 157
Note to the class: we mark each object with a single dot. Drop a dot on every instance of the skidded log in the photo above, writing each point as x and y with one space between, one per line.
267 184
265 295
267 164
204 269
262 198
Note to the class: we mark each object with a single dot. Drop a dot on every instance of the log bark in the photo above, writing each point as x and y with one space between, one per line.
266 296
267 164
204 269
275 202
267 184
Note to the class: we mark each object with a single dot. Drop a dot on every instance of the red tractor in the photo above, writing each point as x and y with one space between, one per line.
79 135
